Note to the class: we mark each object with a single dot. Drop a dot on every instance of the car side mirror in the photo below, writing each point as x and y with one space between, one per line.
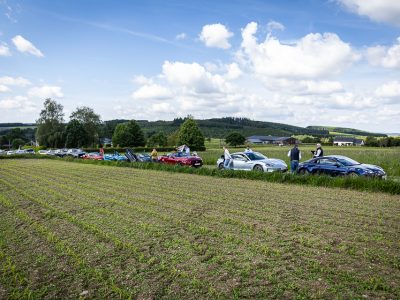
337 165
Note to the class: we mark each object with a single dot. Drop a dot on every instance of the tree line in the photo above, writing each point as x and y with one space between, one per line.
85 129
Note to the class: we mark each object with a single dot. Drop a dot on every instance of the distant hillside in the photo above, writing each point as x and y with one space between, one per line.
220 127
346 131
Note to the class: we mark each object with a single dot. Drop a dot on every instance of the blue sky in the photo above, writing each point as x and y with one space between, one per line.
333 62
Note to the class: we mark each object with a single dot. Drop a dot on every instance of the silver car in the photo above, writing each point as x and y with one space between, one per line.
248 161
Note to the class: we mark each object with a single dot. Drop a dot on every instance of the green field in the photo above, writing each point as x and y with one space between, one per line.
70 230
387 158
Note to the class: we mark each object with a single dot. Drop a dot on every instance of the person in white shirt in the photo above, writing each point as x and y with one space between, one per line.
227 158
318 152
187 150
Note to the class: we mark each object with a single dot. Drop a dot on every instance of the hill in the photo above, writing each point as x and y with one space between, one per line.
220 127
346 131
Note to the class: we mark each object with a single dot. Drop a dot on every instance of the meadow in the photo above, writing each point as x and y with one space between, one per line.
71 230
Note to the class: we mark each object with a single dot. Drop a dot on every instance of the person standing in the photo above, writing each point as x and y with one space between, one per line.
295 156
319 151
187 150
227 158
248 150
154 155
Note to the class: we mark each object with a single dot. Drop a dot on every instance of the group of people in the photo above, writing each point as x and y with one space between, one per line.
294 154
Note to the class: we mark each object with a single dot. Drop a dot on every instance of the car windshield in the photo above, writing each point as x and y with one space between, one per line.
256 156
347 161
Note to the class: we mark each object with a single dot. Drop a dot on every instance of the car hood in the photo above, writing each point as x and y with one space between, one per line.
273 162
369 167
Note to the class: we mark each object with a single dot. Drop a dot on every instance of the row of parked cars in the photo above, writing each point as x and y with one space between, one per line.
334 165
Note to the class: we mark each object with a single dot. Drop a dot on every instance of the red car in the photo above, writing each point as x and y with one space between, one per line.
93 156
182 159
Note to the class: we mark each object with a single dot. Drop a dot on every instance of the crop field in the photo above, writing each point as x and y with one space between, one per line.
387 158
72 230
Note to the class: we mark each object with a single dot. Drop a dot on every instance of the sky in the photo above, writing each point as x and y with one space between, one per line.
300 62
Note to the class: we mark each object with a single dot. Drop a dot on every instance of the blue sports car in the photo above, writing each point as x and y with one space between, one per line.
337 165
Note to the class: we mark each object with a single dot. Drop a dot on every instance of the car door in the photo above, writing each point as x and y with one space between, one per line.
328 166
239 162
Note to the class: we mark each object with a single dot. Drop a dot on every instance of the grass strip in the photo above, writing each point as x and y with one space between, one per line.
362 184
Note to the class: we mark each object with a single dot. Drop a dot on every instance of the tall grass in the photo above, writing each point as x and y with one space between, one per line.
363 184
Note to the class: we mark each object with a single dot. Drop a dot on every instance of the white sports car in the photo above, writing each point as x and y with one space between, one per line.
248 161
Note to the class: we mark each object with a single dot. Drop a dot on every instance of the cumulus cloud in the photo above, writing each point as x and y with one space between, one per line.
4 88
387 11
193 77
216 35
45 91
19 103
180 36
16 81
313 56
25 46
387 57
152 91
320 87
4 50
389 90
233 71
273 25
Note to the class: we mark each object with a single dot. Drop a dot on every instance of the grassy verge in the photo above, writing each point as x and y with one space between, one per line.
362 184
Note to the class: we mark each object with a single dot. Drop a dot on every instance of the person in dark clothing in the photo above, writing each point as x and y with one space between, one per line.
295 156
318 152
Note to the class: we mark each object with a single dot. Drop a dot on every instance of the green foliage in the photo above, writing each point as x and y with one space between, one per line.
76 135
128 134
191 135
16 143
235 139
159 139
91 123
50 125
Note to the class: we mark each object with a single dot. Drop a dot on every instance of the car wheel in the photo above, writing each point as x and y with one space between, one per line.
221 166
258 168
352 175
304 172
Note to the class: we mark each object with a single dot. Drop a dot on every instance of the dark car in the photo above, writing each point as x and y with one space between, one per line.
338 165
182 159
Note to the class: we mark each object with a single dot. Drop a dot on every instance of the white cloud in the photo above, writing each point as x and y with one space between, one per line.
313 56
233 71
387 57
25 46
142 80
275 26
181 36
387 11
45 91
193 77
4 88
20 103
321 87
216 35
152 91
389 90
4 50
17 81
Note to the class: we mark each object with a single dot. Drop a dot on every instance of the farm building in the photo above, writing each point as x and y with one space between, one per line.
347 141
278 140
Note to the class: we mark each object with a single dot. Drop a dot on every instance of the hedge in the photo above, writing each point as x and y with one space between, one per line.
362 184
